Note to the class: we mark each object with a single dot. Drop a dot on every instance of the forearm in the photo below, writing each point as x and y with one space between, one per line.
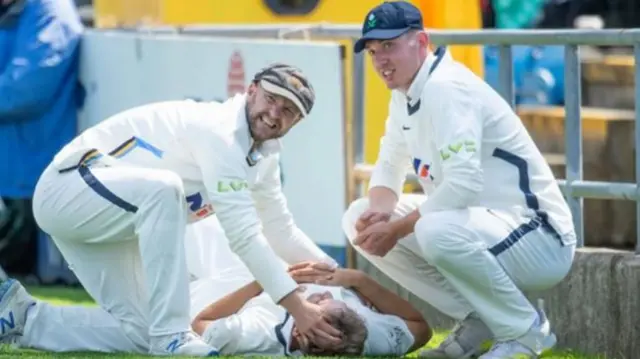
405 225
385 301
225 307
267 268
301 248
244 231
231 303
290 243
382 199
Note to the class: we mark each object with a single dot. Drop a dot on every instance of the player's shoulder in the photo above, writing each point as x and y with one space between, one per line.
164 106
170 113
214 120
447 87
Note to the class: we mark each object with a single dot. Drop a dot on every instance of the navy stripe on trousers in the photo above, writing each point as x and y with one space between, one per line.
541 219
103 191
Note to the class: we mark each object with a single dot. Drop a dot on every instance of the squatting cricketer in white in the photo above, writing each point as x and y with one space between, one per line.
492 222
116 201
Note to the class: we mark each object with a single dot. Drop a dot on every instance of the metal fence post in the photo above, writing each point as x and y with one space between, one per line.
636 55
506 74
358 105
358 130
573 134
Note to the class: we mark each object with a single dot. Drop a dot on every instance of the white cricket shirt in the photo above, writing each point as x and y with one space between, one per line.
468 148
207 145
264 328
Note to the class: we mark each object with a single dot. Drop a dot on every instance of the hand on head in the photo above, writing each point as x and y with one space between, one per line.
310 318
352 328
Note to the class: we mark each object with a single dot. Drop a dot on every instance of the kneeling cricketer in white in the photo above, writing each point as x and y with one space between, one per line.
116 201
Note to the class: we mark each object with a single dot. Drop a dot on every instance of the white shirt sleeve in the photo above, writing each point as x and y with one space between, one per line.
284 236
222 164
249 332
394 159
387 335
457 125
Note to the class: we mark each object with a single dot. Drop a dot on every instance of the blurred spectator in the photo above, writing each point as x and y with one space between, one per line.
614 13
85 10
516 14
39 98
488 15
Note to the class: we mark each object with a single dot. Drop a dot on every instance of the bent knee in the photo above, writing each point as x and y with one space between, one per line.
351 215
440 234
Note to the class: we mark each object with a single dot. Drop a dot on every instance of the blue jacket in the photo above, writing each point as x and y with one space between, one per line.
39 89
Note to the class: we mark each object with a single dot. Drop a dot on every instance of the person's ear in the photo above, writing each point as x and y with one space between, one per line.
423 39
253 87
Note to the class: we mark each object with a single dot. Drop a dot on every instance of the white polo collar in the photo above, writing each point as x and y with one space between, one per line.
433 60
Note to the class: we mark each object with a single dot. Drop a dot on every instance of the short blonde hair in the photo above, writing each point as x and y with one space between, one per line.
353 334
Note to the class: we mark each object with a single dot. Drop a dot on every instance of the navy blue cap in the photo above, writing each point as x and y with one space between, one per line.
389 20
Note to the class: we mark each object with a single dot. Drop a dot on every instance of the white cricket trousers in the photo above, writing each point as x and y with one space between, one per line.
62 328
121 229
471 260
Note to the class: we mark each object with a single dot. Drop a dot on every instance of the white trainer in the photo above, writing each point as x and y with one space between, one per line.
465 341
14 304
537 340
515 349
181 344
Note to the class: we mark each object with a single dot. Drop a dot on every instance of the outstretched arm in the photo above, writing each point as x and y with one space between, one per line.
225 307
388 302
237 324
287 240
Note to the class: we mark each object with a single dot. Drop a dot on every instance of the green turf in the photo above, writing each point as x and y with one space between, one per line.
61 295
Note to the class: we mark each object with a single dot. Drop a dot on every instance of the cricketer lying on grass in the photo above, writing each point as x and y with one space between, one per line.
231 312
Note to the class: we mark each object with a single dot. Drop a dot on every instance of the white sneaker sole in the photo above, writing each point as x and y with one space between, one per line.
212 353
468 355
549 342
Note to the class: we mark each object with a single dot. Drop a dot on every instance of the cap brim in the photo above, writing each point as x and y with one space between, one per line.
378 34
284 92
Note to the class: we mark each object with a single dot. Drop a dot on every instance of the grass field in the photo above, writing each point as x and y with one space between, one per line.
62 295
